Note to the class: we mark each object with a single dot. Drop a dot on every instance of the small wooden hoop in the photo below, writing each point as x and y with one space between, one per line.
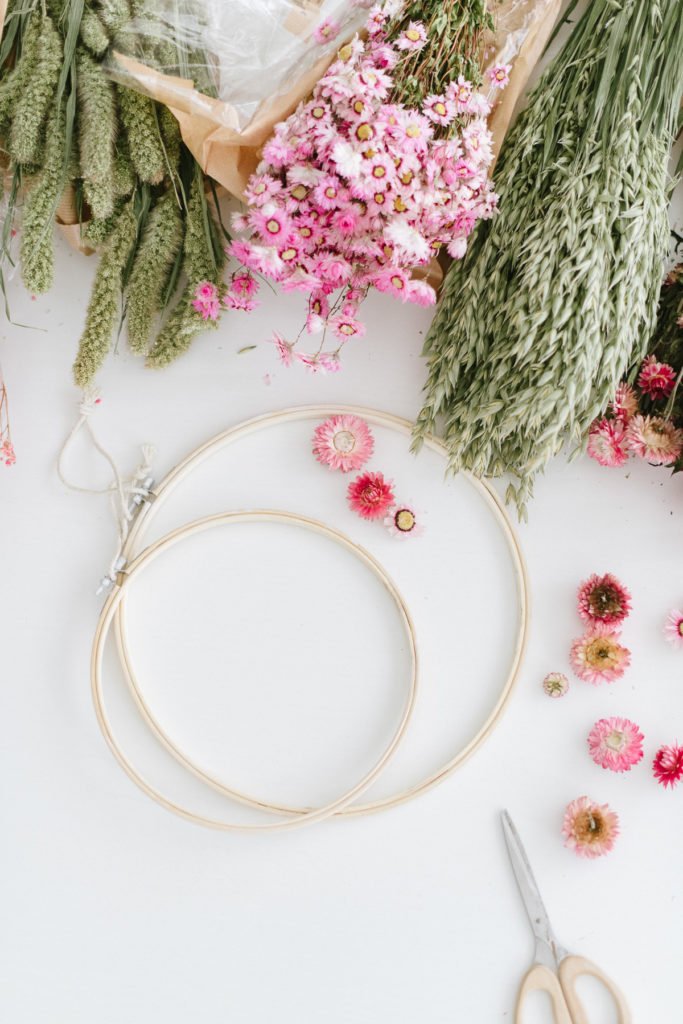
182 470
126 577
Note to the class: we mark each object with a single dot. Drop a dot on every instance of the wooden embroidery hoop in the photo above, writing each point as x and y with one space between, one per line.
306 816
378 418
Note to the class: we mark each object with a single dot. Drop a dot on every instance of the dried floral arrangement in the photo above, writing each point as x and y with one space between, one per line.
645 418
139 195
557 296
386 163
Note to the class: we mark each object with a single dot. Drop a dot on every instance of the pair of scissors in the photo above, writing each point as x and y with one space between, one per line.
554 971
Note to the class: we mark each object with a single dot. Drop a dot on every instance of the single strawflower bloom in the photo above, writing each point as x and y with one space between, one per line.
655 440
607 442
604 599
673 628
370 495
625 404
589 828
668 765
403 521
414 37
616 744
326 31
7 454
598 656
285 349
555 684
656 380
343 442
499 75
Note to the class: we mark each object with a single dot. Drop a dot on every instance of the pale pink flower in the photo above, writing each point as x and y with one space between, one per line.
346 327
555 684
7 454
285 349
392 280
667 766
421 293
598 657
673 628
272 224
604 599
655 440
403 521
607 442
370 495
260 189
656 380
460 92
326 31
330 362
414 37
343 442
589 828
439 109
625 404
616 744
499 75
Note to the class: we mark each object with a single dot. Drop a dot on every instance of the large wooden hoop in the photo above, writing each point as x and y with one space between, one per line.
378 418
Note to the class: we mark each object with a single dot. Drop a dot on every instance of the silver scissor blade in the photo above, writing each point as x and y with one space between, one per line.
531 896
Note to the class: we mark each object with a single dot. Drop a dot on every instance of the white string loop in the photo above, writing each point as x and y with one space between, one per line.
128 495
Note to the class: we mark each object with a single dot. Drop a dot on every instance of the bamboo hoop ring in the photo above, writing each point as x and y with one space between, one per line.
378 418
306 816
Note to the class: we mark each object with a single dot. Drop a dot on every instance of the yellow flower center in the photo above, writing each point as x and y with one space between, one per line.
300 192
399 205
330 191
364 132
397 281
413 131
318 112
407 177
359 106
413 35
616 740
345 53
273 226
602 653
405 520
259 189
440 108
289 254
305 232
379 171
380 198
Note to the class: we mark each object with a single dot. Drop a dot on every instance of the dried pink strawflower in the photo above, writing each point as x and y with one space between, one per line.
370 495
326 31
598 657
604 599
555 684
625 404
656 380
589 828
668 765
499 75
403 521
654 439
343 442
673 628
206 301
616 744
607 442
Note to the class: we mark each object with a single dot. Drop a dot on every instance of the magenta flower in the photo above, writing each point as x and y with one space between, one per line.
656 380
667 766
206 302
604 599
616 744
370 495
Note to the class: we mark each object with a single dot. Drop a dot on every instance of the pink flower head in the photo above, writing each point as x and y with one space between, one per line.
376 22
403 521
555 684
329 362
394 281
285 349
656 380
206 302
7 454
261 188
625 404
413 39
673 628
346 327
499 75
668 765
604 599
439 109
598 657
343 442
421 293
370 495
326 31
616 744
589 828
607 442
272 224
243 286
460 93
655 440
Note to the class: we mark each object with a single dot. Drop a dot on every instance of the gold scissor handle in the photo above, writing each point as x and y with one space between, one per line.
573 967
541 979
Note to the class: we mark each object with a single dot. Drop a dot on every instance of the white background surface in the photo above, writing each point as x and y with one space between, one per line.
115 911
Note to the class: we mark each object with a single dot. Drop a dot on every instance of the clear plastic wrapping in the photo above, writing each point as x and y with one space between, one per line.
229 57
